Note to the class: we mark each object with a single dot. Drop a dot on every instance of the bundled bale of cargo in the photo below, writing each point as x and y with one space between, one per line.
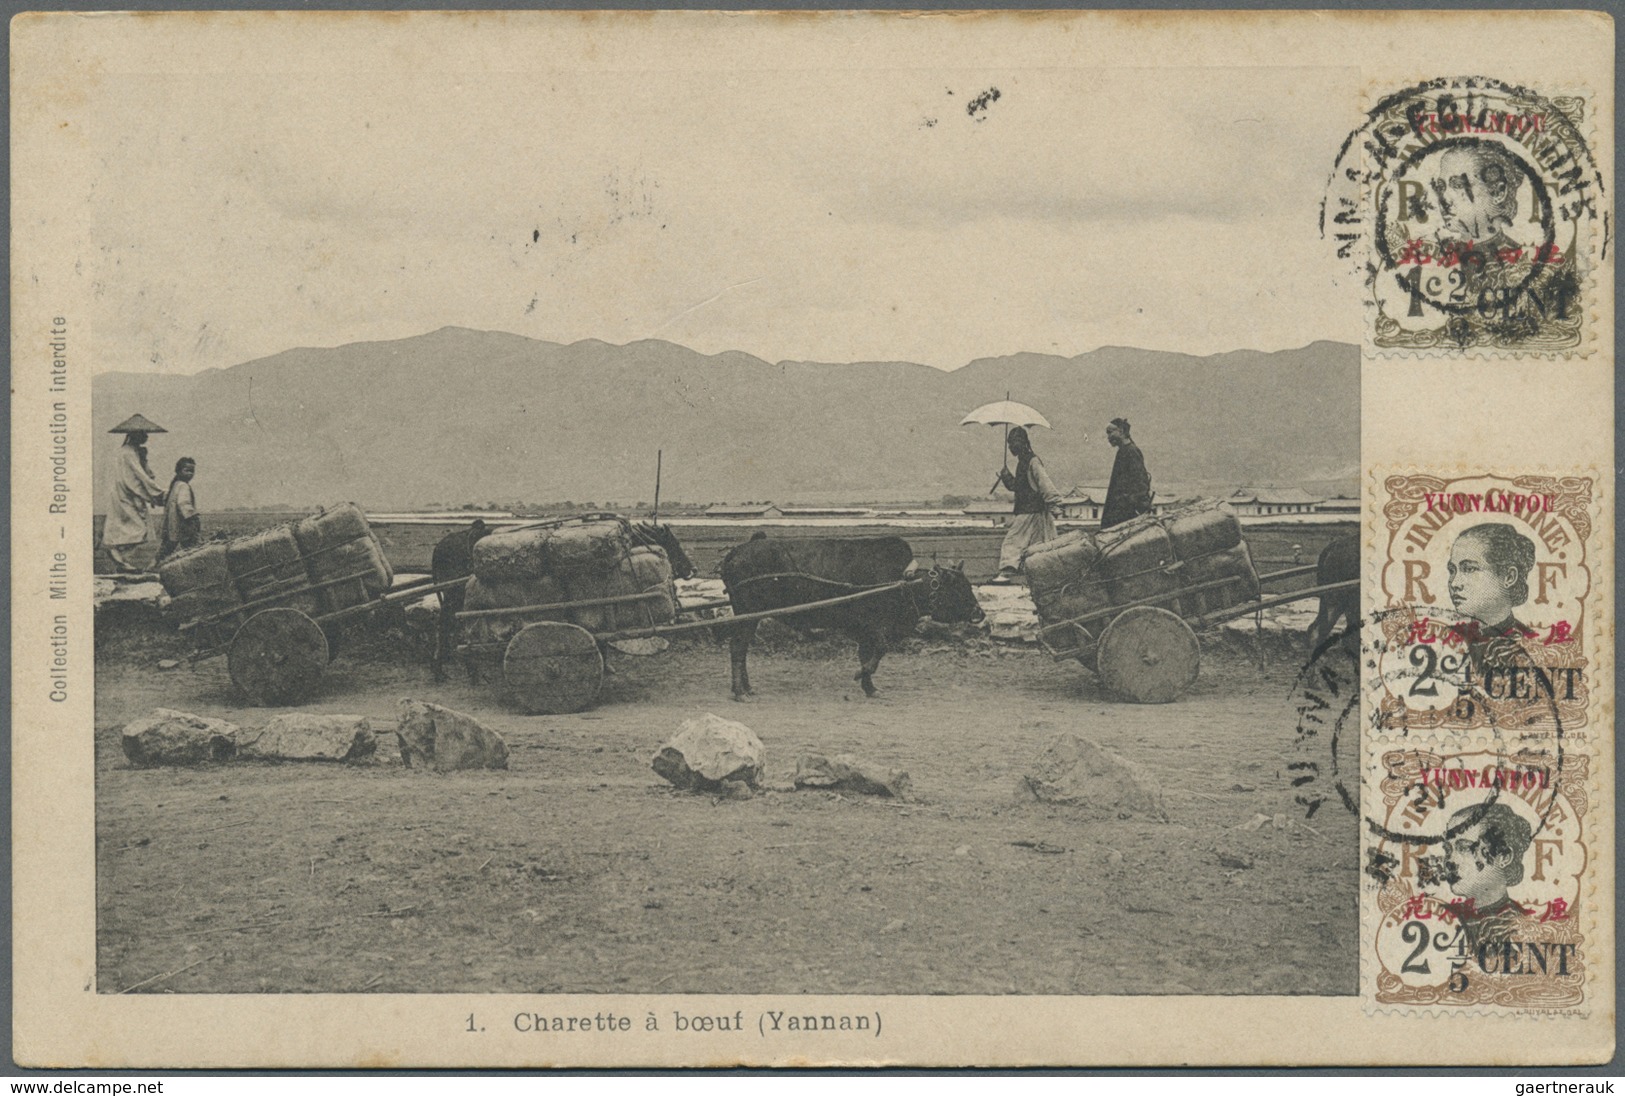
549 564
337 543
1059 574
508 594
646 570
268 564
1233 563
529 551
652 571
199 583
1153 555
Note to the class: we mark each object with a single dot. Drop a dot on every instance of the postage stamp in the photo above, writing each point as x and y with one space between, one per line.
1482 618
1476 892
1478 213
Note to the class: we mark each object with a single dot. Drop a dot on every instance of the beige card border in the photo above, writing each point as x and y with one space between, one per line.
60 1021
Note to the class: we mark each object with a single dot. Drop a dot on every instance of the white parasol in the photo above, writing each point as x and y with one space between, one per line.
1005 413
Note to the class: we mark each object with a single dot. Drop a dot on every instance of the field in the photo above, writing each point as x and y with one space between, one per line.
579 870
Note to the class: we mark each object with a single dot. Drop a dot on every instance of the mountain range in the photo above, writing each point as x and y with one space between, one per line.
460 416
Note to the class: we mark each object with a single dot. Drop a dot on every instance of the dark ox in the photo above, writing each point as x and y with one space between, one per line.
453 559
1339 562
764 574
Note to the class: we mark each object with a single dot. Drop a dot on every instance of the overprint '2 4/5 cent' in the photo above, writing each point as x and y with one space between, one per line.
1476 893
1482 618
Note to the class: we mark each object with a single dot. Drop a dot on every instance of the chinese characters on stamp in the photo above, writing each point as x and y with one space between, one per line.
1477 213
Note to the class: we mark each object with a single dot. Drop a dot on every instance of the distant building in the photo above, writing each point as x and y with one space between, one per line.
1272 501
999 513
751 510
1342 504
1087 503
826 512
1083 503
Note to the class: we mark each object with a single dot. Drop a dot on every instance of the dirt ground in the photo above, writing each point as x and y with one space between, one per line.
579 870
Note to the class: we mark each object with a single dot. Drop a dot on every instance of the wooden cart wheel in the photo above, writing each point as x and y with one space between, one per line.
1148 655
551 668
277 656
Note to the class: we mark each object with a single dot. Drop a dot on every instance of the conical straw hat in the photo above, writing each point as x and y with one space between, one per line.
138 423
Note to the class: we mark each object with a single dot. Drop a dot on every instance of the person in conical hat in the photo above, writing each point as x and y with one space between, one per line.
135 489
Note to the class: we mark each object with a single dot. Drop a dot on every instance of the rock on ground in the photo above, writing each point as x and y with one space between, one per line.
169 737
708 751
145 589
1010 613
698 591
309 736
1076 772
444 739
845 773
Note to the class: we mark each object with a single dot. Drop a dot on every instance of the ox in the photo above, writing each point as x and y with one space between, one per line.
764 574
453 559
1339 562
652 534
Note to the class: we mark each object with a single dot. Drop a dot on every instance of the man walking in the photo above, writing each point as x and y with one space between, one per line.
1129 493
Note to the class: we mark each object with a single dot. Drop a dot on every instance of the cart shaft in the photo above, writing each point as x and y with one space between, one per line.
745 618
561 606
1238 611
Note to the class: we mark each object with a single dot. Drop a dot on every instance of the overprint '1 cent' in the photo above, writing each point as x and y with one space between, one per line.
1478 214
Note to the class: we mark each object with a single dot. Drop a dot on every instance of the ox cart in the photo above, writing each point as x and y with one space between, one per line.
1128 602
549 651
273 601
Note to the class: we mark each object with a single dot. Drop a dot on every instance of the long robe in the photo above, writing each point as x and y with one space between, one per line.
1129 493
182 526
134 490
1027 530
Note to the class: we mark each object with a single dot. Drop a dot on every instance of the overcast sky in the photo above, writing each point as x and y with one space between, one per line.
821 213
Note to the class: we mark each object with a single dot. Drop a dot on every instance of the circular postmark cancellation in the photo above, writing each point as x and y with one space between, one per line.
1326 698
1472 208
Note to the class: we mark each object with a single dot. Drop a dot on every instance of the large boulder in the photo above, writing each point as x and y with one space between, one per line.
708 751
309 736
845 773
169 737
1076 772
445 740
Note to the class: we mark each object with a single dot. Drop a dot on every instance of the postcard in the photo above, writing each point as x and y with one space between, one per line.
611 539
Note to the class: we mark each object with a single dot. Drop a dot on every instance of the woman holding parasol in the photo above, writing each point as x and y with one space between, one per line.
1037 500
